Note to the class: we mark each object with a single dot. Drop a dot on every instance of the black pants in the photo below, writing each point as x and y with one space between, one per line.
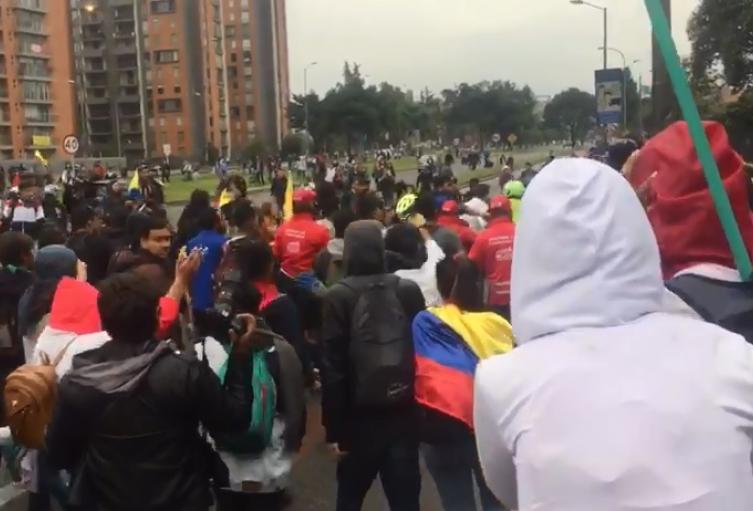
229 500
395 462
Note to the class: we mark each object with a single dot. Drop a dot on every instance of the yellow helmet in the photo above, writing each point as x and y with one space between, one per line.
405 205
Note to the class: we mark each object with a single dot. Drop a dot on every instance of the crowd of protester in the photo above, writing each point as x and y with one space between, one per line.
578 342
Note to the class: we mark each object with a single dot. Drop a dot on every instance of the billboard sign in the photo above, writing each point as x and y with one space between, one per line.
609 95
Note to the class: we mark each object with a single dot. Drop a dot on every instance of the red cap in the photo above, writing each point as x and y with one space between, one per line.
450 207
499 202
304 195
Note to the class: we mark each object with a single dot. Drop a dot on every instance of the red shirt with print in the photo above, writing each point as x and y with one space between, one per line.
492 252
297 242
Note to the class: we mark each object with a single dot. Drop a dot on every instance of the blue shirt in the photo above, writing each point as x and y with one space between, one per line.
211 243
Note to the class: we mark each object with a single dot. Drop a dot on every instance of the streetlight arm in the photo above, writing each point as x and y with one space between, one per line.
592 5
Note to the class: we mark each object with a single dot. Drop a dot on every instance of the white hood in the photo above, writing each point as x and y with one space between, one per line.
617 405
585 254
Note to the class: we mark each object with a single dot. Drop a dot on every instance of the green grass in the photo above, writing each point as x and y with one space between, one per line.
178 190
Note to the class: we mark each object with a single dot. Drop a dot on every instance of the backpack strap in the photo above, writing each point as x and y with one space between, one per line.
690 288
61 354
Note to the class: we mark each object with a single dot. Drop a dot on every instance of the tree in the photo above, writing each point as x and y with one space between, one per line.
489 107
293 145
720 33
572 112
254 149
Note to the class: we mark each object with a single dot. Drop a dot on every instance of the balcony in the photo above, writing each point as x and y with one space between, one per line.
131 130
37 30
37 101
39 121
34 77
38 6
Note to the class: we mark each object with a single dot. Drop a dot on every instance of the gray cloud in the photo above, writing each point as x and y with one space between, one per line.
547 44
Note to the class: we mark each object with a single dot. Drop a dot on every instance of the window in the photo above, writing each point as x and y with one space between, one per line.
229 31
181 137
235 112
160 89
166 56
179 121
176 72
32 67
162 122
36 91
163 6
233 58
37 113
169 105
176 89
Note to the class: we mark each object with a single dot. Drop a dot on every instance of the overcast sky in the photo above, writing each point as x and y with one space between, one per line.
547 44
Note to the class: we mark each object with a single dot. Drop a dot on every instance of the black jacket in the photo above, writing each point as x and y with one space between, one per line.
345 425
142 449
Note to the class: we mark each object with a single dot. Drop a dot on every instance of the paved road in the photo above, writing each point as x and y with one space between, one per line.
314 485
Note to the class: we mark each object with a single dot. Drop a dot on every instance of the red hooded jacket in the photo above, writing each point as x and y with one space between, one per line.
492 252
74 309
680 207
297 242
459 227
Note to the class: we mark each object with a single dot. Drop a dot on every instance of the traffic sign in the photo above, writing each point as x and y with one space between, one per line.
496 138
70 144
512 138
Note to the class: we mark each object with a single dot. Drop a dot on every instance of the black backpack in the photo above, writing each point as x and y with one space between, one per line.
381 350
727 304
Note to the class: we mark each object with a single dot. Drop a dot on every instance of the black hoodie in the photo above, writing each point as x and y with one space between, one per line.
363 258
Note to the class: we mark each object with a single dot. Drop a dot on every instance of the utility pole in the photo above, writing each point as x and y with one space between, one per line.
662 95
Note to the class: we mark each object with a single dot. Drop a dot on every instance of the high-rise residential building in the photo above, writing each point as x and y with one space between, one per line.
257 68
195 78
141 76
37 107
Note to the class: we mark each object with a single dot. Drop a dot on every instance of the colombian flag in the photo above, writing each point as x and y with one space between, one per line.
449 344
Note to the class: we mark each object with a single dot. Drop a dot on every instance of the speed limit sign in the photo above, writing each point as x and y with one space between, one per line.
70 144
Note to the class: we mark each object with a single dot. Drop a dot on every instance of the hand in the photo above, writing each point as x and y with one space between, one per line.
337 452
187 265
81 274
247 341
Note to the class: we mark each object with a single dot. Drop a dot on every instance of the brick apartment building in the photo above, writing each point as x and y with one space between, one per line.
37 105
182 75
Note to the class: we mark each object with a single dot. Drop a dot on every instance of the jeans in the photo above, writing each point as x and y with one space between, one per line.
395 462
453 467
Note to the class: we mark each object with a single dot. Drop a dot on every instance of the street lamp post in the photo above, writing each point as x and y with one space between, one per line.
606 28
306 96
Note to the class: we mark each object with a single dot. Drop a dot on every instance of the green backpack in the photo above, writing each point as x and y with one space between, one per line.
263 410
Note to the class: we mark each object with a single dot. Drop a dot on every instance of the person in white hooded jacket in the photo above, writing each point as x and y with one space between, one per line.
608 403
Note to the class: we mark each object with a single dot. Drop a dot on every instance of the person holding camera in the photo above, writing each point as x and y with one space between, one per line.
126 421
260 460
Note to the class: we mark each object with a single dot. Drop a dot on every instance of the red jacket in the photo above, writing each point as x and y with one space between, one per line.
297 242
459 227
492 252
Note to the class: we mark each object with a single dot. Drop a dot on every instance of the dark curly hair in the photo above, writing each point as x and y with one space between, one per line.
128 305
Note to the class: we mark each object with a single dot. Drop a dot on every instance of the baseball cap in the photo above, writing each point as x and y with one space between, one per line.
450 207
304 195
499 202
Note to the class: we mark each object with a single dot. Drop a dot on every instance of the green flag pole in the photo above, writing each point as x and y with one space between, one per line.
695 126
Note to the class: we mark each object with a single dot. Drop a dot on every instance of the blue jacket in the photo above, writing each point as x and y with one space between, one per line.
212 244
